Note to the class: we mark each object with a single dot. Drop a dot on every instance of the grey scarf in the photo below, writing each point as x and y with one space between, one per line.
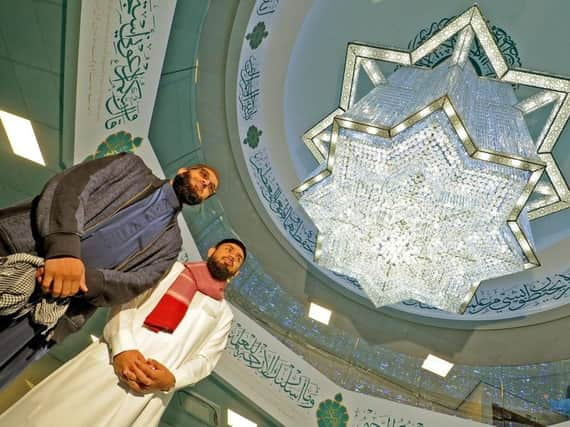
18 283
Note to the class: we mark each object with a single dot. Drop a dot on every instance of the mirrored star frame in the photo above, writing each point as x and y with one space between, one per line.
551 91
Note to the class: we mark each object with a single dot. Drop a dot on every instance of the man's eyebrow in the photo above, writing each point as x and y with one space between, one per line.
211 175
239 252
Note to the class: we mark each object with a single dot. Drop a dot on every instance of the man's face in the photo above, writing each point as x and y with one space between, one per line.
225 261
194 185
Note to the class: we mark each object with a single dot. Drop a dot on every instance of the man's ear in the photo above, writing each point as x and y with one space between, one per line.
211 251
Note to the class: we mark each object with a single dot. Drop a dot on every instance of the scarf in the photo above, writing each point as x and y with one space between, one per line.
19 293
172 307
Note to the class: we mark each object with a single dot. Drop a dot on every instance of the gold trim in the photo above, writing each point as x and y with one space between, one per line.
525 195
378 53
319 152
556 177
487 41
517 162
537 101
318 246
416 117
442 35
464 42
554 125
354 81
310 182
542 81
370 129
375 75
297 191
468 297
346 88
548 209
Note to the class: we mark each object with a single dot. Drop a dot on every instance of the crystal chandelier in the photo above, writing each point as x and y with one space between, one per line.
425 179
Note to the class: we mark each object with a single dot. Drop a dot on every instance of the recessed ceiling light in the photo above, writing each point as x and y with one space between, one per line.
437 366
236 420
320 314
22 137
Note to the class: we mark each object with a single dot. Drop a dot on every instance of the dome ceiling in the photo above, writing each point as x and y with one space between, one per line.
279 64
290 76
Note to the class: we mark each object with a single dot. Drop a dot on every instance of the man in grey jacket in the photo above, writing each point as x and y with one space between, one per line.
107 230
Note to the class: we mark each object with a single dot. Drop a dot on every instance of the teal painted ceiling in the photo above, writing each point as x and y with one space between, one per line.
194 120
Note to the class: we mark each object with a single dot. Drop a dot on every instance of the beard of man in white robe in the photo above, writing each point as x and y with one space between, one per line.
86 391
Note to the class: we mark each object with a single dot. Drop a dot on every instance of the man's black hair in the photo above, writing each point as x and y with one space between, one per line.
235 242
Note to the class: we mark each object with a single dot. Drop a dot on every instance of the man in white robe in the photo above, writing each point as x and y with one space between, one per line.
129 378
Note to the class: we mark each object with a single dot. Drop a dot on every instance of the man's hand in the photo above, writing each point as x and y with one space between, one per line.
162 378
141 375
126 368
62 277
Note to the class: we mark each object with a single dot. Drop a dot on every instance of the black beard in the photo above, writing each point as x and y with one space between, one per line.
185 193
218 270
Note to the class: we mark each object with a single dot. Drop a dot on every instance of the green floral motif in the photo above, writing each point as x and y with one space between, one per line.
331 413
252 138
120 142
257 35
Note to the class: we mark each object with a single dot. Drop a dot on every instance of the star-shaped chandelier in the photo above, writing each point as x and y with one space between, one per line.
424 181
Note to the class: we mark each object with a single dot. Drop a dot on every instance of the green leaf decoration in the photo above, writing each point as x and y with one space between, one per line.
119 142
257 35
331 413
252 138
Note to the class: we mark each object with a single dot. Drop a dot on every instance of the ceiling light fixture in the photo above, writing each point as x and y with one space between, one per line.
423 187
320 314
437 365
22 137
236 420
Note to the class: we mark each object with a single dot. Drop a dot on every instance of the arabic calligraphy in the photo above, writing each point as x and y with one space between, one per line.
391 422
507 46
477 55
348 279
369 418
277 201
132 44
248 88
266 7
549 289
552 288
245 346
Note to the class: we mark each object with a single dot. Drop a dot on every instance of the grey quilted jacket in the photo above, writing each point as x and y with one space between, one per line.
71 203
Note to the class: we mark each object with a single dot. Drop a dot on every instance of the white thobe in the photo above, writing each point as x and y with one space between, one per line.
86 392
